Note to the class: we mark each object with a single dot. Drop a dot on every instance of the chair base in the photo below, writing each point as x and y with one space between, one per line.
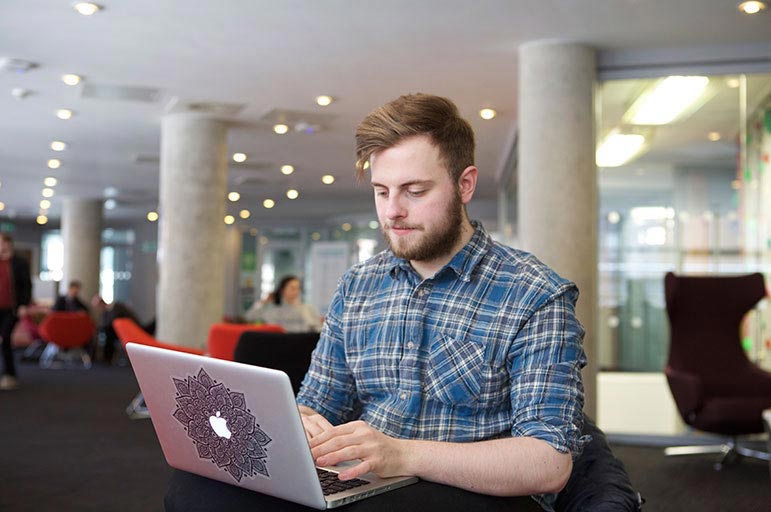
54 358
730 452
137 409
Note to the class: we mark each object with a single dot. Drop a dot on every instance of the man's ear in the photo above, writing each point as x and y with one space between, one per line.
467 183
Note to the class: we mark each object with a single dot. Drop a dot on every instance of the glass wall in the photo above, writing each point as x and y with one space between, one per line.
684 187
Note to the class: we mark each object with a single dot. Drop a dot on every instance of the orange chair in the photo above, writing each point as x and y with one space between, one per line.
129 331
66 333
223 337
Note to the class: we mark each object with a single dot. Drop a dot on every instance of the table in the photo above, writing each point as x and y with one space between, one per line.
187 492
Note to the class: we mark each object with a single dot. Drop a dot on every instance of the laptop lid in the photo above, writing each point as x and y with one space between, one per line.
235 423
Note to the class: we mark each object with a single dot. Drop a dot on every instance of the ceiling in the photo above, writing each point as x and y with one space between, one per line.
267 56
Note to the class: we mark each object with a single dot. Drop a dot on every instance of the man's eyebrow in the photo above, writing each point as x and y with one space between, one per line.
406 184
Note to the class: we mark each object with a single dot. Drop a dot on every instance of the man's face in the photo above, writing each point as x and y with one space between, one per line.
73 291
418 203
6 249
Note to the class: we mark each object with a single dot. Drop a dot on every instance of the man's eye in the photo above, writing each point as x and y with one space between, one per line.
416 193
380 193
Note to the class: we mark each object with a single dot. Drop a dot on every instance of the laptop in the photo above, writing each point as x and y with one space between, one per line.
239 424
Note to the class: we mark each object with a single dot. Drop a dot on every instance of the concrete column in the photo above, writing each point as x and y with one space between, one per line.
557 175
82 240
191 259
232 250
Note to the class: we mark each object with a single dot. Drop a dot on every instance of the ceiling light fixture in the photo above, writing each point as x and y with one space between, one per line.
2 206
327 179
324 100
487 114
287 169
152 216
110 204
234 196
366 165
47 192
70 79
280 129
58 145
751 7
41 219
373 224
50 181
346 226
64 113
618 148
316 235
239 157
229 219
87 8
292 193
713 136
733 83
54 163
269 203
667 100
244 214
45 204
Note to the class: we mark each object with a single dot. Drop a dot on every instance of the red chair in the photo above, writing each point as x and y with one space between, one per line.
128 331
223 337
67 333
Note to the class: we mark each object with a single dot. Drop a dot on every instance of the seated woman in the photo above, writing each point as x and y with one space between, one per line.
285 308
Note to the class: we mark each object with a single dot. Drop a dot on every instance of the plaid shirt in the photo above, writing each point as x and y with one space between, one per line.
489 347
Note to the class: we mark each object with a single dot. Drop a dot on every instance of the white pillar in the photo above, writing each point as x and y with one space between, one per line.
82 241
191 260
557 174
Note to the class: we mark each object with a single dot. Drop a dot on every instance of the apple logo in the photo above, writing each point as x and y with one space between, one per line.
219 425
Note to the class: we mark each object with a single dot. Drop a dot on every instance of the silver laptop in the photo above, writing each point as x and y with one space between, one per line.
239 424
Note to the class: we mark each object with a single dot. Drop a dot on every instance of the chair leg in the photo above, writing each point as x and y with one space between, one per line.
48 355
137 409
730 452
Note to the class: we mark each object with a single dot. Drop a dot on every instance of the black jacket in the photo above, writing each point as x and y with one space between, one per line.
22 284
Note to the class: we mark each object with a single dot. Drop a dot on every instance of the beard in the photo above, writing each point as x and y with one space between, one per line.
432 244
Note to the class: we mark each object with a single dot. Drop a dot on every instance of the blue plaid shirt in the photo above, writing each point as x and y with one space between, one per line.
487 348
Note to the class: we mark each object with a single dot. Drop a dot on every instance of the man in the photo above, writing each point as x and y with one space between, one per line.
448 356
15 294
71 300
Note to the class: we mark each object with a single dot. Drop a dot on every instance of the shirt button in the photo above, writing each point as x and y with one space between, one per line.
410 345
403 396
422 292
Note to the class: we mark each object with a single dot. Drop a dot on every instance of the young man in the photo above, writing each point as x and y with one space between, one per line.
15 294
448 356
70 301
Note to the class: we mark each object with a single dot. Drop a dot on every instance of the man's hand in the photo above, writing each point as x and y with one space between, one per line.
313 422
379 453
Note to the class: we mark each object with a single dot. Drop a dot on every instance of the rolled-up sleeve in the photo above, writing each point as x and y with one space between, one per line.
329 387
547 393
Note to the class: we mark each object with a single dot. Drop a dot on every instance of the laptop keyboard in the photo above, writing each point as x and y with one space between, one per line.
330 484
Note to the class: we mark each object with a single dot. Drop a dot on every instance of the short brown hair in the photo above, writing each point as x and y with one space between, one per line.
6 237
412 115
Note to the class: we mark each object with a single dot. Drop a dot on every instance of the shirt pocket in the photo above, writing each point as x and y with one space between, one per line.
454 370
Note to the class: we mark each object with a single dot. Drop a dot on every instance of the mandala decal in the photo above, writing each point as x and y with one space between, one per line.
221 426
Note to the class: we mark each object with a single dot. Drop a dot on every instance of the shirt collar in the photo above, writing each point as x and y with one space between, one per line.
463 263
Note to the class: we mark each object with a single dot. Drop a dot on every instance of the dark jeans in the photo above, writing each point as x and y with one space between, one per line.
7 322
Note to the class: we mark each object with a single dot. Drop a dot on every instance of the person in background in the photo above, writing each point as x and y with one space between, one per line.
284 307
449 356
71 300
15 295
105 314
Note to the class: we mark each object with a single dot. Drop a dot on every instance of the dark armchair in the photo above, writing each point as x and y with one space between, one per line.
716 388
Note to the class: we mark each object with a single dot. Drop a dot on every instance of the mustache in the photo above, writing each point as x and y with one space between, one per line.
401 226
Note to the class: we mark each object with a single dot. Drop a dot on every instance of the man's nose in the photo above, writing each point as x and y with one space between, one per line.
395 208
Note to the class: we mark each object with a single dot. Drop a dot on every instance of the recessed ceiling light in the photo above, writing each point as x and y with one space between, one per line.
733 83
58 145
239 157
713 136
287 169
373 224
269 203
234 196
244 214
292 193
487 113
327 179
316 235
45 204
751 7
614 217
324 100
54 163
280 129
47 192
110 204
71 79
229 219
346 226
152 216
64 113
2 206
41 219
87 8
50 181
253 231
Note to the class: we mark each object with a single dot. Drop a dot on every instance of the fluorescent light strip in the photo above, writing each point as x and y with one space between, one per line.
619 148
667 101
